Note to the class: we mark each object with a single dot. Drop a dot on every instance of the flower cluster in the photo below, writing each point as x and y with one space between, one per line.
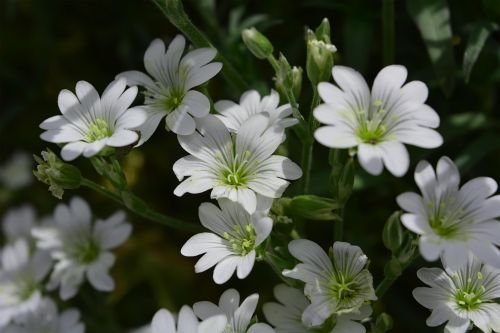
44 253
233 154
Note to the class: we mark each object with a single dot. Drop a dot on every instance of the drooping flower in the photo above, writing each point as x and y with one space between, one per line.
235 166
164 322
286 316
336 285
459 297
16 173
81 247
90 123
21 274
379 122
231 245
169 85
453 221
234 115
239 317
46 318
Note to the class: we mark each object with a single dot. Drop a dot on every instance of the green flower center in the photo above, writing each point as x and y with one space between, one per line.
342 288
371 128
26 289
165 98
242 240
98 130
87 251
447 220
238 171
469 297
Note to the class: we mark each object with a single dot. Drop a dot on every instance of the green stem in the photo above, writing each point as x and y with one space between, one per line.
387 282
174 11
338 230
388 31
143 210
308 145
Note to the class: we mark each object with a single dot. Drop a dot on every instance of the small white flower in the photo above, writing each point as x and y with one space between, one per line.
164 322
90 123
168 93
286 316
18 222
379 122
16 172
231 246
239 317
80 247
459 297
47 319
235 166
234 115
453 221
336 285
21 274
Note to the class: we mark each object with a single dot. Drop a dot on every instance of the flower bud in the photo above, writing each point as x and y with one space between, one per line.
52 171
296 81
319 53
257 43
393 235
342 175
111 170
383 323
393 268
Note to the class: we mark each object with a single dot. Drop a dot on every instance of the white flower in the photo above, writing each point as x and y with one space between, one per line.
234 115
470 294
16 172
377 123
231 246
237 166
336 285
164 322
453 221
239 317
18 222
80 247
47 319
90 123
286 316
168 93
21 274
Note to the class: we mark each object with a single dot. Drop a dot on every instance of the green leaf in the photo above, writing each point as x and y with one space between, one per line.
478 36
432 18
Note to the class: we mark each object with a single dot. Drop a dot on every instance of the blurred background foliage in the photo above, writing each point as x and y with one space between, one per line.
49 45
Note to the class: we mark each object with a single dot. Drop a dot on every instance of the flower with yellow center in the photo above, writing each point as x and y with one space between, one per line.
231 244
90 123
378 122
169 84
80 247
453 221
339 284
238 166
459 297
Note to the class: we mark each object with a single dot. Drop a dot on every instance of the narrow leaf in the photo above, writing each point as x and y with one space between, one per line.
432 18
478 36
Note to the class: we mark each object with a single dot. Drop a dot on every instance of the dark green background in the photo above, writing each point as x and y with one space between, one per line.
49 45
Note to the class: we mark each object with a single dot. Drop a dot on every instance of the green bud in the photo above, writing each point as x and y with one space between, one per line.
257 43
408 249
393 235
312 207
342 175
296 81
111 169
393 268
320 51
323 31
383 324
51 170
